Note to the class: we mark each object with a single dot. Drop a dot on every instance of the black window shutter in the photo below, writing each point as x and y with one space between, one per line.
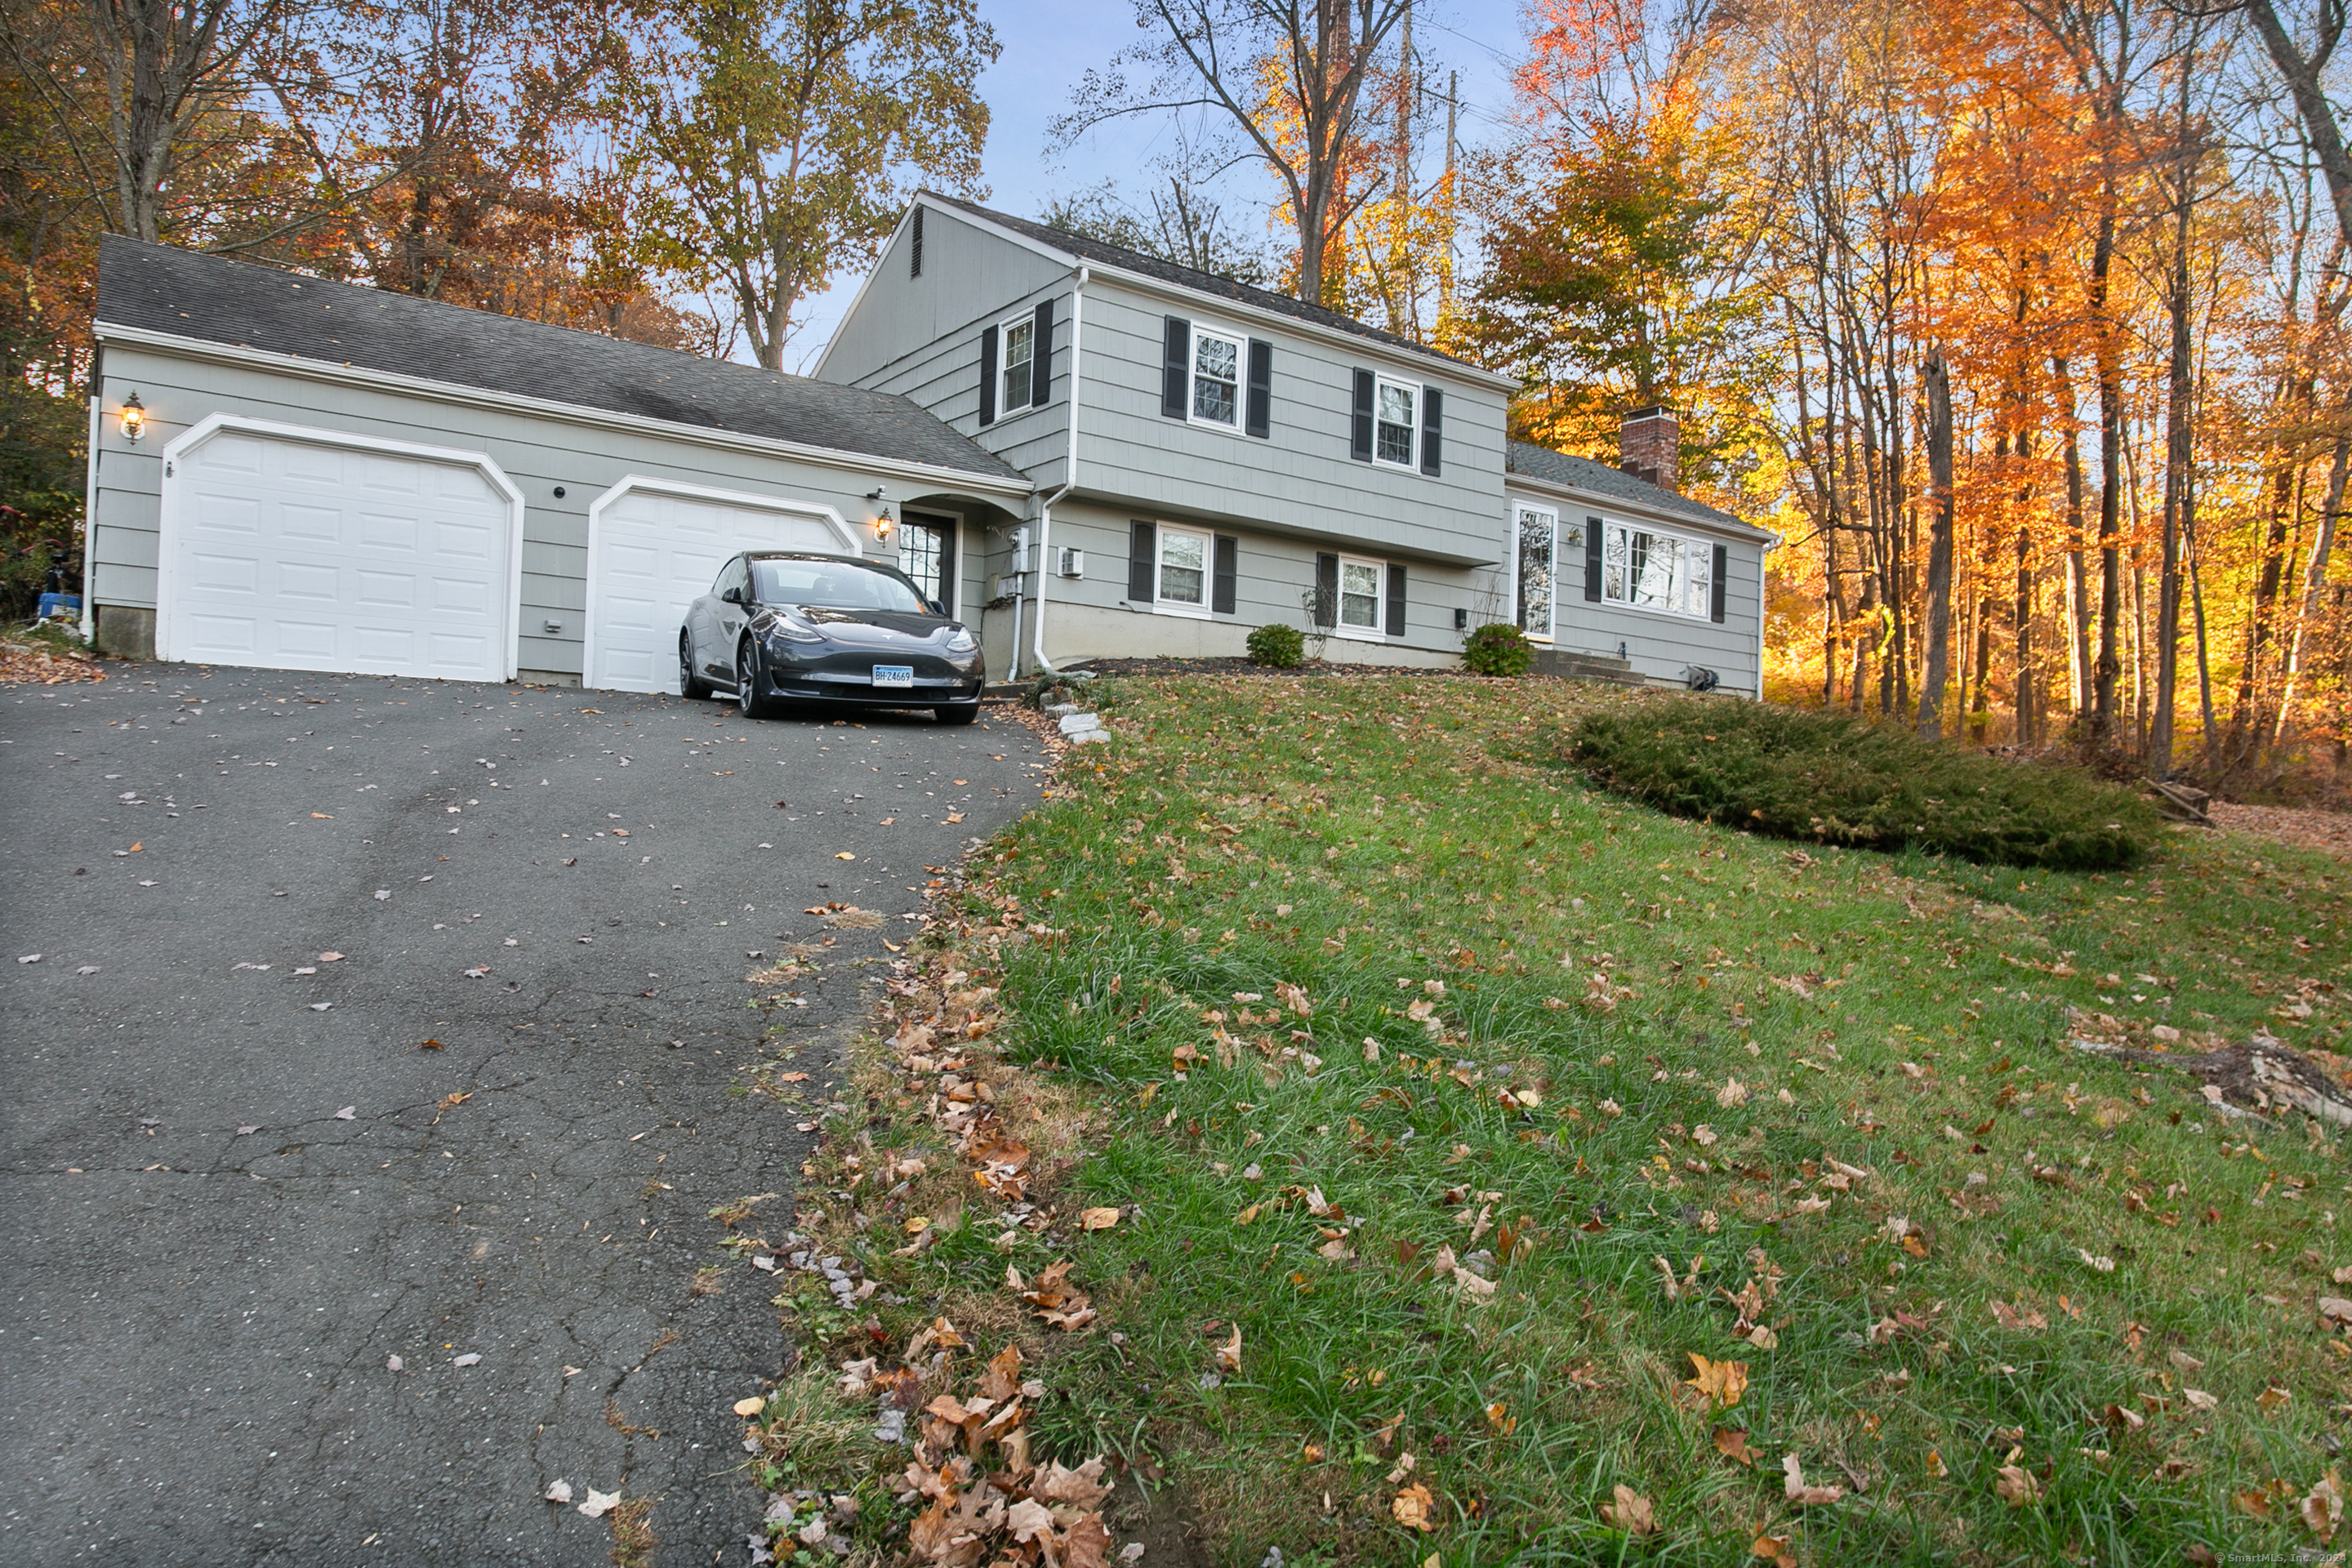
1722 565
1592 559
1432 412
950 593
1327 589
1221 594
1260 419
1142 563
1041 362
915 246
988 375
1396 601
1359 433
1176 369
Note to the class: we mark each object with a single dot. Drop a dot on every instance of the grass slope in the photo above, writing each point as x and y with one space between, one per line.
1625 1055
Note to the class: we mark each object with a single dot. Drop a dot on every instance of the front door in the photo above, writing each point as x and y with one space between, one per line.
927 553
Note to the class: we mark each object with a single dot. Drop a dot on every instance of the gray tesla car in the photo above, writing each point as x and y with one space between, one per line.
780 626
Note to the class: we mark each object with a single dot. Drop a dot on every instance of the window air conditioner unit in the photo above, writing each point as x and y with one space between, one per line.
1071 562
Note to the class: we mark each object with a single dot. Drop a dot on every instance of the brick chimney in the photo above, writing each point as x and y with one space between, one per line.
1649 447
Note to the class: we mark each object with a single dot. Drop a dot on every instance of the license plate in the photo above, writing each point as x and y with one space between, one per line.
894 675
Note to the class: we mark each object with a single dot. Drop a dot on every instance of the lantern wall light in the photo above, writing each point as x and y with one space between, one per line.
134 418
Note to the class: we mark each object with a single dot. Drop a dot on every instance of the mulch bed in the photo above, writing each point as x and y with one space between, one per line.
21 664
2329 832
1160 666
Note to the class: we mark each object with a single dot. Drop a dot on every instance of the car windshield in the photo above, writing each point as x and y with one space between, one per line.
835 585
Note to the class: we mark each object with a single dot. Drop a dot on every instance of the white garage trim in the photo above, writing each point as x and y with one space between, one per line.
211 425
632 484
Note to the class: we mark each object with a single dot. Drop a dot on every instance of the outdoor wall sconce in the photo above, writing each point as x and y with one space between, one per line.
885 522
134 418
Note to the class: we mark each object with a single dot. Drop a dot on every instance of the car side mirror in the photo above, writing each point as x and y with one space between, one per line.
732 595
937 607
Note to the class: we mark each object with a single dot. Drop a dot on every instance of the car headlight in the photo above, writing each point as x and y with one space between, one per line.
960 641
792 630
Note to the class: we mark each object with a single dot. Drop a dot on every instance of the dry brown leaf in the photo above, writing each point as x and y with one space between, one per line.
1719 1382
1793 1487
1630 1511
1770 1548
2323 1509
1412 1507
1099 1219
1731 1442
1229 1354
751 1406
2016 1485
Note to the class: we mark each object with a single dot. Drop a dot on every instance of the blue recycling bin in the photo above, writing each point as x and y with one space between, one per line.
60 604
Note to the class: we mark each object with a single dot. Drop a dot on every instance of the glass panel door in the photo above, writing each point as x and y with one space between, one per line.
927 555
1538 568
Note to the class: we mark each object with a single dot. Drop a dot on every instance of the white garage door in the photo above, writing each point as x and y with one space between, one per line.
294 554
651 552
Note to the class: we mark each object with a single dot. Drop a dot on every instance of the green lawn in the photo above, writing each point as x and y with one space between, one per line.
1655 1091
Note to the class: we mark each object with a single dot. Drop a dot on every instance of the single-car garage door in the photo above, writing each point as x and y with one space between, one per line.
293 552
654 547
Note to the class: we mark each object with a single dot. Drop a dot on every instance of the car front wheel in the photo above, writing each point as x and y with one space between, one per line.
689 683
749 700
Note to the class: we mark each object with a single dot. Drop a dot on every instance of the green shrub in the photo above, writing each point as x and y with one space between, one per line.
1499 650
1277 646
1834 780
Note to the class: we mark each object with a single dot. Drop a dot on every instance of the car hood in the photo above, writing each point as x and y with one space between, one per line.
904 622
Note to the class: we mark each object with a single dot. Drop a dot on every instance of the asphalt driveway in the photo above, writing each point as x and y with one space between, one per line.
241 1188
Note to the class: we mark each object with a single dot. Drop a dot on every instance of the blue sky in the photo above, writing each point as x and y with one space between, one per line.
1049 45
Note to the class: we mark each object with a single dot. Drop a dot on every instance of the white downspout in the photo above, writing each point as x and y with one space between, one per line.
1019 550
1069 478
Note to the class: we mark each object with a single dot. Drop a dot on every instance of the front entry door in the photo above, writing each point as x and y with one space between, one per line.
927 553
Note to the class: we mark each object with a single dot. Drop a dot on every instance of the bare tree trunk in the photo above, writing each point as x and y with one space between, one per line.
2315 574
1936 642
2178 454
2111 464
2078 645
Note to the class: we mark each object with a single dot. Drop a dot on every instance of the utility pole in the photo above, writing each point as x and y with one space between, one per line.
1446 259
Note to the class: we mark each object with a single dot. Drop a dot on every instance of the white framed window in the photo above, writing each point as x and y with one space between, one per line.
1647 570
1538 569
1185 558
1395 405
1018 377
1216 377
1362 597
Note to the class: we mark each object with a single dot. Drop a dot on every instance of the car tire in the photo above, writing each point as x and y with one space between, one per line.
749 700
958 715
690 683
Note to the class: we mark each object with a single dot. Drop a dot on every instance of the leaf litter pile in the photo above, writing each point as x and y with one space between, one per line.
1370 1143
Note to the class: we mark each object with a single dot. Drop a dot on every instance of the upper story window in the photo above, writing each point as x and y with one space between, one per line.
1653 570
1216 377
1392 421
1020 365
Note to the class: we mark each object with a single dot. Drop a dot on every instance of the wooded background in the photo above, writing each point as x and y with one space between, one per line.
2020 319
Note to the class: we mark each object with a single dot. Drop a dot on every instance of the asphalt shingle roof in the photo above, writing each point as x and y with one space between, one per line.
1582 473
1085 250
162 289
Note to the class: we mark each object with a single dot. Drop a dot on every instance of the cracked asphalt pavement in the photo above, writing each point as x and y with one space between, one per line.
241 1185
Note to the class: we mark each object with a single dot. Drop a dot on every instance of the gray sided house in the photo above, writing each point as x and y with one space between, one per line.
1210 457
316 476
1086 453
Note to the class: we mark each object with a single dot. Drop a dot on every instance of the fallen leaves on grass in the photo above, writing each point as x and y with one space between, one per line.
1719 1382
1731 1442
1630 1511
1414 1508
2015 1485
2323 1509
1794 1489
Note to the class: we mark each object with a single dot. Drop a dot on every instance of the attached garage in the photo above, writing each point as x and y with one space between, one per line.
654 545
307 549
297 474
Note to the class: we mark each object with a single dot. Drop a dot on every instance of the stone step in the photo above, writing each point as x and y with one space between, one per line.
1585 667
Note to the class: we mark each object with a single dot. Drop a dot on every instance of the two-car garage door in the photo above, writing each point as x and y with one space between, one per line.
292 551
